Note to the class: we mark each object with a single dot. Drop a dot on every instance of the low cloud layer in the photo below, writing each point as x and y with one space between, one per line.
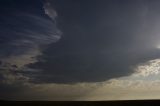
134 86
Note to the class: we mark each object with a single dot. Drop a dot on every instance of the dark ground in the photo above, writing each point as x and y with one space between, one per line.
82 103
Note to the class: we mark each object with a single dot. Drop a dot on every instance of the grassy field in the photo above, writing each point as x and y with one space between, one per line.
82 103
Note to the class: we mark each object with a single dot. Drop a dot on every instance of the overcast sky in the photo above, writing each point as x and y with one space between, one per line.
79 49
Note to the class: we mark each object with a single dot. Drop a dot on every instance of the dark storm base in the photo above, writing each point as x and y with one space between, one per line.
82 103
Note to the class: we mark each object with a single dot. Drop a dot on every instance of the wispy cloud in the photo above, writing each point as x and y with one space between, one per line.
28 40
31 34
50 11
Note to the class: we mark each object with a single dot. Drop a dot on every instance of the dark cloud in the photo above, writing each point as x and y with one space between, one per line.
101 40
0 63
54 49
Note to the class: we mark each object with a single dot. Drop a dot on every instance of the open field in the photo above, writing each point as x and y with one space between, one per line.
82 103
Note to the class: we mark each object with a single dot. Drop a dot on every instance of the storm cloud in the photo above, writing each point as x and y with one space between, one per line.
101 40
79 49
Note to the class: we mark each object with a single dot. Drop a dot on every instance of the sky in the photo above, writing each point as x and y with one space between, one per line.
57 50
